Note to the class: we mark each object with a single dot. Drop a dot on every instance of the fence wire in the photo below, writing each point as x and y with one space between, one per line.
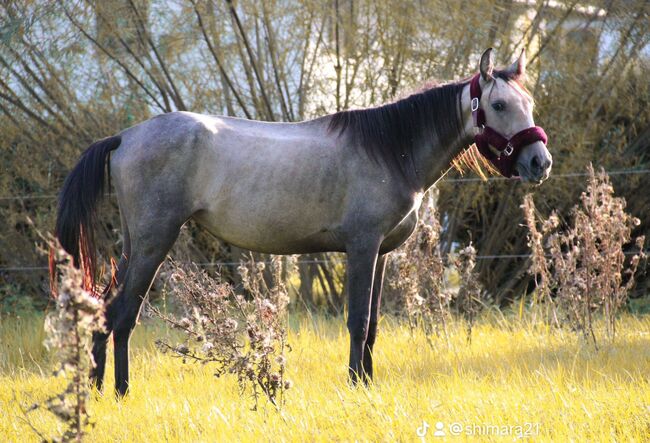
217 264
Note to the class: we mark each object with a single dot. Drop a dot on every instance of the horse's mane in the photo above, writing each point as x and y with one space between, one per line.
389 132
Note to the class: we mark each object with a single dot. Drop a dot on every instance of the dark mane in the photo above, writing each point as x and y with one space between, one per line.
389 133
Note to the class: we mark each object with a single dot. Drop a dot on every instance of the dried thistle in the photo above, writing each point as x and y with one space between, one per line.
419 271
585 264
240 335
70 327
469 296
539 267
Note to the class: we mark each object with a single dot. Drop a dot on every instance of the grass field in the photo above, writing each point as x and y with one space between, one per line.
512 379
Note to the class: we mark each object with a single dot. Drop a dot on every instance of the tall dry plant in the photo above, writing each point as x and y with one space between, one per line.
584 264
78 314
469 298
242 335
418 275
419 272
542 302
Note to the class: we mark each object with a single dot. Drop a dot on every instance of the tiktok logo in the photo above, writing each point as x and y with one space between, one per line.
422 430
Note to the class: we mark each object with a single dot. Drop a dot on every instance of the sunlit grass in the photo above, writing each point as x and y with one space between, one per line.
511 374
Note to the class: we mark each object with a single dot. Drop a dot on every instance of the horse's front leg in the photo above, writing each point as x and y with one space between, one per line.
362 258
374 314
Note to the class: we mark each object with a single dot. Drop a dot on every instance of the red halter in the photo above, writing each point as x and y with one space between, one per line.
509 149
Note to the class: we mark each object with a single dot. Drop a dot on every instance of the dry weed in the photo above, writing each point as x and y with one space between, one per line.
70 327
242 335
582 269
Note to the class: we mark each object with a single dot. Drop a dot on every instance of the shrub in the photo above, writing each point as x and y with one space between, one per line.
242 335
469 298
70 327
419 273
584 264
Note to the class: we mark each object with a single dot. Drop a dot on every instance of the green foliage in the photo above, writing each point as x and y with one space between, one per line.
15 302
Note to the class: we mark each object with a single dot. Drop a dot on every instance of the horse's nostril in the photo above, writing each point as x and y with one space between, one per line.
535 164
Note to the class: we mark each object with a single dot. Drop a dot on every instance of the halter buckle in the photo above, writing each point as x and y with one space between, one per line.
509 149
475 104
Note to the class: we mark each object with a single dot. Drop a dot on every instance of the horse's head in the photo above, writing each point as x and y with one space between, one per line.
502 110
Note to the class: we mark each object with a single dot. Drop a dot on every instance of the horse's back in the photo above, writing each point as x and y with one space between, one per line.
263 186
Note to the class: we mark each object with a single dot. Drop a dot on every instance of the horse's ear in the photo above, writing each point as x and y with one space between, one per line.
518 68
486 66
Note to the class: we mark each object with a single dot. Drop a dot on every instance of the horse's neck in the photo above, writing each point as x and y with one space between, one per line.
433 159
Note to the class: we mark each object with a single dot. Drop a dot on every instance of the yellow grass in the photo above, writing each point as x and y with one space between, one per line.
511 375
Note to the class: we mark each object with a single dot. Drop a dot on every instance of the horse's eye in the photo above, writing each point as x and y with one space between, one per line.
498 106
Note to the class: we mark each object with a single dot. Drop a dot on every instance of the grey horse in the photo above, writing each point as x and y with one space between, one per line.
350 182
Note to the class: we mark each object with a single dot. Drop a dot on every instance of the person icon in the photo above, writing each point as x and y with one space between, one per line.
440 430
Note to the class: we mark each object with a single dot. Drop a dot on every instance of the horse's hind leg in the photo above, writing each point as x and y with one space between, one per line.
101 338
150 245
99 356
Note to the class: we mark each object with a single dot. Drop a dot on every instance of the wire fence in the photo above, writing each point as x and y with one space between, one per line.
315 261
337 260
552 176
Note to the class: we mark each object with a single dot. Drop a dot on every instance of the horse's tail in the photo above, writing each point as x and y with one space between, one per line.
76 216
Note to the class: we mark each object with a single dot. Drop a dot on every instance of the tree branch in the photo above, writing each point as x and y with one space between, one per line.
251 56
217 60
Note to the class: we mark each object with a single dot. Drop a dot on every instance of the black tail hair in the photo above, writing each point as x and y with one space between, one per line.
76 213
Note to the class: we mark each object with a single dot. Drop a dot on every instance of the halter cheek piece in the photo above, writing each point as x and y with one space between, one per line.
508 149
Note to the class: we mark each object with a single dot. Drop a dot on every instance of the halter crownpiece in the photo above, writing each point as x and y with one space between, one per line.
508 149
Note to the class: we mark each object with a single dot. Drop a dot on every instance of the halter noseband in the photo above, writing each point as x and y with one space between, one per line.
508 149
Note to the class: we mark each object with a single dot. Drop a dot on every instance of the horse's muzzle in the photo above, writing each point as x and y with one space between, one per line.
534 164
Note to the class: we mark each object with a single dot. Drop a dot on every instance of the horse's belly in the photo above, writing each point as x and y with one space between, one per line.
270 236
